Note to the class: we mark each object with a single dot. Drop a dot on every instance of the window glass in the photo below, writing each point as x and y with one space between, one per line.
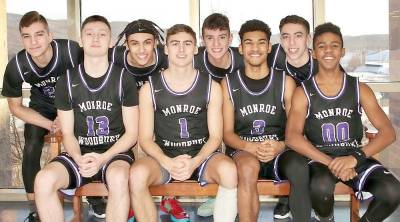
163 13
269 11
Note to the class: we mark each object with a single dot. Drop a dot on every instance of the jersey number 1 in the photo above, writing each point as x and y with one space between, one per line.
184 128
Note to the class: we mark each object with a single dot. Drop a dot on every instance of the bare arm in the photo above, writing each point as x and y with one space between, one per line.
70 142
214 121
130 116
386 134
290 86
295 127
27 114
230 137
146 129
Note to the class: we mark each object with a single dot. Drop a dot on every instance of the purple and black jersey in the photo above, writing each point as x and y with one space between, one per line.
21 68
97 105
202 63
260 115
180 118
333 124
277 60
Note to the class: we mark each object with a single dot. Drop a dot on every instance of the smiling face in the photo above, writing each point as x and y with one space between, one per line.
36 39
96 39
255 48
328 50
217 42
181 48
295 41
141 49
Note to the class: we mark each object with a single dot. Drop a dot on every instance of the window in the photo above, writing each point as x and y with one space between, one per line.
54 11
269 11
163 13
365 28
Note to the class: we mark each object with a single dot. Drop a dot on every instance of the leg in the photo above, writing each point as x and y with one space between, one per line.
294 167
34 140
385 188
248 168
118 198
47 183
222 170
322 187
143 173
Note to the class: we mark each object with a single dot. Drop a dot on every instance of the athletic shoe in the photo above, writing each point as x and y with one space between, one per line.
281 211
172 207
207 208
32 217
131 216
326 219
97 208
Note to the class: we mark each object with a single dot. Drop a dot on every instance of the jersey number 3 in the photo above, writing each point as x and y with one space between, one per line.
258 127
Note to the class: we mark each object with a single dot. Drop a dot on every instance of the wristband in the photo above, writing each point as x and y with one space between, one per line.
360 156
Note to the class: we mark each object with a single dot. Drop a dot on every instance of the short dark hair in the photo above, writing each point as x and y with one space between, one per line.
31 17
95 18
324 28
295 19
253 26
216 21
180 28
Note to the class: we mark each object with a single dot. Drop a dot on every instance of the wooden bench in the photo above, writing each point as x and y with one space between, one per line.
188 188
192 188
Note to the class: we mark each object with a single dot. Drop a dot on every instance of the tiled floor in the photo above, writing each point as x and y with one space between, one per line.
17 211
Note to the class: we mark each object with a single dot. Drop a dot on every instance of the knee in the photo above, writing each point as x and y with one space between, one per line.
45 182
117 178
248 172
390 194
138 176
322 187
228 173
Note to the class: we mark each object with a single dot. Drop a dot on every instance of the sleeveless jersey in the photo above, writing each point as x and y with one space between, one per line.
97 111
119 56
277 60
259 116
21 68
333 124
180 118
201 63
